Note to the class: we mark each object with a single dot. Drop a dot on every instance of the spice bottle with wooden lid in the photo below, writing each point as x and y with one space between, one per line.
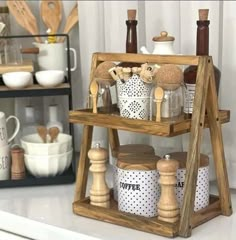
202 49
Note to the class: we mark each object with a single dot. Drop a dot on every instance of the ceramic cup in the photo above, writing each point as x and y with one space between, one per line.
4 140
5 162
54 56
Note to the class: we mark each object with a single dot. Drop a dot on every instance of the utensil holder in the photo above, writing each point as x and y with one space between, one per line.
134 98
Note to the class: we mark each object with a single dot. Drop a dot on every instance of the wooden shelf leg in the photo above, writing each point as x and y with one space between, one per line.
83 166
218 149
113 140
193 158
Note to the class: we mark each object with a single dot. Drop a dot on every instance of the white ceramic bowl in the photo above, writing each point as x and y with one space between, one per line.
33 145
48 166
17 80
50 78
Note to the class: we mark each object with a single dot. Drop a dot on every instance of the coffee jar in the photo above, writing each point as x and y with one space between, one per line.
138 188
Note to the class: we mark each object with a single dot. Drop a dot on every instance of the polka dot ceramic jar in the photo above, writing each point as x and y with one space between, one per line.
128 150
138 188
202 189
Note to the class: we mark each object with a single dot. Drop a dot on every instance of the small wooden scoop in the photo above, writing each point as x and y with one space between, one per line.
53 133
94 93
159 95
42 132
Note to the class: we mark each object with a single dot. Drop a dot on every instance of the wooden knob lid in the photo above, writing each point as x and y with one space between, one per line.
138 162
102 72
163 37
97 153
167 164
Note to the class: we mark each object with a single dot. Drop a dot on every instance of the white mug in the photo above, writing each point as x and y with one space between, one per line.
54 56
4 140
5 162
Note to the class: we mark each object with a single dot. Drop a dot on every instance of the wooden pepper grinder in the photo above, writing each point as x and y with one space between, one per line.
167 206
18 164
99 192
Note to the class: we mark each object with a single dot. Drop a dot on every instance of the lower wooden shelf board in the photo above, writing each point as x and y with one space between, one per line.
150 225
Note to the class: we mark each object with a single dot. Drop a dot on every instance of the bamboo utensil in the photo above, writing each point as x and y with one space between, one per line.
94 92
53 133
51 12
42 132
159 95
23 15
72 19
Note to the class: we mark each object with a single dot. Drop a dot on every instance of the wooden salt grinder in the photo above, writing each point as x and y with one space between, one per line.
99 192
18 164
167 206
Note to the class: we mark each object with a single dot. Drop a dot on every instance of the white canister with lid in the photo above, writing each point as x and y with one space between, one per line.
202 189
138 188
128 150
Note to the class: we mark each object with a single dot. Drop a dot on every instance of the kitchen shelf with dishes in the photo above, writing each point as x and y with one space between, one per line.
104 207
40 86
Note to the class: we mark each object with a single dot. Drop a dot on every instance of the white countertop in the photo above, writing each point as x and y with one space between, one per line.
46 213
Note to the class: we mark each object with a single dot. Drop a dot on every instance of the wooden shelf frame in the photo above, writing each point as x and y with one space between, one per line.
205 99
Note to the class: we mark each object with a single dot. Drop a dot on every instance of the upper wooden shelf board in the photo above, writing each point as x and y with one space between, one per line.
166 127
150 58
27 66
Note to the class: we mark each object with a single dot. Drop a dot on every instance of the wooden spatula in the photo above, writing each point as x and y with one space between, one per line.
159 95
72 19
50 11
23 15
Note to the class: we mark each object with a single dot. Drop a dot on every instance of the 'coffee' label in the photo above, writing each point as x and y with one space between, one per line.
189 93
128 186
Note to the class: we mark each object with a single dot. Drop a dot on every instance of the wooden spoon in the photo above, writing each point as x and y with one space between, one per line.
94 93
159 95
72 19
53 133
50 11
42 132
23 15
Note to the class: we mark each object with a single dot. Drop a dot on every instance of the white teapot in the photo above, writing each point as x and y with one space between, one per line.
163 45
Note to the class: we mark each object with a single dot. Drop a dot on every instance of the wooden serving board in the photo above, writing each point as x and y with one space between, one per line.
27 66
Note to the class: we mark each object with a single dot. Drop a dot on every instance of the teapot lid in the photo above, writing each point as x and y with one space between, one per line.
163 37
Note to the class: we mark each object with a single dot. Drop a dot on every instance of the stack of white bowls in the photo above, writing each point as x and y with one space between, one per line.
47 159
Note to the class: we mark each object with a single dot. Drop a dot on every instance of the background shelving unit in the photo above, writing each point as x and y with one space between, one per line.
35 91
205 99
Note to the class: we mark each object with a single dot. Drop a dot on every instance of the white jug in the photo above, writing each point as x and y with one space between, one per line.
53 56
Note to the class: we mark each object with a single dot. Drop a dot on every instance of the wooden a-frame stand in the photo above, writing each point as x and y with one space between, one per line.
205 99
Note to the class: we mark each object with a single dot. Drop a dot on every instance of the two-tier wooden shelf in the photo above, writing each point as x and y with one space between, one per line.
205 99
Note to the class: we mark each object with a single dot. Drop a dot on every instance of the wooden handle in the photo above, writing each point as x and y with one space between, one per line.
29 50
94 97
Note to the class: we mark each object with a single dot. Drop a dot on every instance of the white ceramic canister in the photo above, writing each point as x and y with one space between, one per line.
202 189
128 150
138 188
134 98
53 56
